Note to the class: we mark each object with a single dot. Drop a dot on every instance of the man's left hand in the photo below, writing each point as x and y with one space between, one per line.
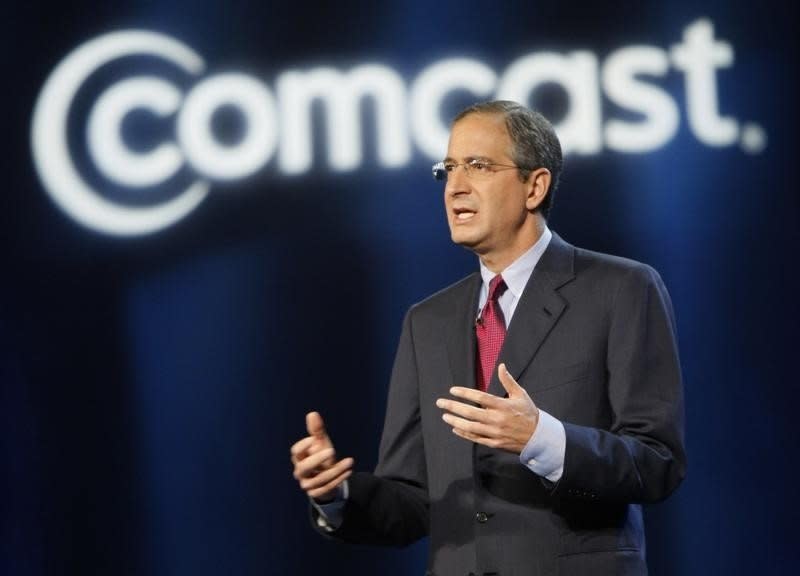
504 423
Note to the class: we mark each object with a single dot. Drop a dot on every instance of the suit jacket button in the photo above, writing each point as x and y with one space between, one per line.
482 517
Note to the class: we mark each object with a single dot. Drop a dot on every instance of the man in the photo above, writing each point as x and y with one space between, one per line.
534 405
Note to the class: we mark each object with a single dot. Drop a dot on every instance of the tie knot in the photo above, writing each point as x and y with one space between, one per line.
496 287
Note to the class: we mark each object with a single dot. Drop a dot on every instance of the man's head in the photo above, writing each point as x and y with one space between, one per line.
533 140
502 166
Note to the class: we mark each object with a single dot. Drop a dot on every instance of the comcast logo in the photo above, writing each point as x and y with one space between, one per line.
278 128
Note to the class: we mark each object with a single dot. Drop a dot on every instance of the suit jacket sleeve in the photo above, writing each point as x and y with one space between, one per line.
640 458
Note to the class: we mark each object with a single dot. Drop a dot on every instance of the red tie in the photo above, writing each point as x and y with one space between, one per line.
491 331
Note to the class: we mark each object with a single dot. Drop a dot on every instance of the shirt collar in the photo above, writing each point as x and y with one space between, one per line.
516 275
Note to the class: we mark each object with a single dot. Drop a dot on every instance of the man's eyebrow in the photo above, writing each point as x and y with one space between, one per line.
469 159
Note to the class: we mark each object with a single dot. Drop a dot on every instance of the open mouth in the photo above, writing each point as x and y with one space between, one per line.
463 214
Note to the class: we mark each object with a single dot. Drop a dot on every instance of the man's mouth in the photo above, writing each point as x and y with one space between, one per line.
463 214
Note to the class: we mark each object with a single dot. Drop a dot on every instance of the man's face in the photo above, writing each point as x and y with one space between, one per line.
487 215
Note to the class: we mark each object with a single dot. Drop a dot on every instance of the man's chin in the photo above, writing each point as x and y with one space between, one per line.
468 241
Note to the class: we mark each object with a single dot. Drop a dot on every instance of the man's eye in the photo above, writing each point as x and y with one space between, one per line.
479 166
449 166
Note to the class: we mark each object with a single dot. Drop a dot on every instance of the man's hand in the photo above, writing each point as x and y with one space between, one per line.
504 423
315 466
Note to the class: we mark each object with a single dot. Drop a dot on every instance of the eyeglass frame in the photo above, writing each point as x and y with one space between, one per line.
440 172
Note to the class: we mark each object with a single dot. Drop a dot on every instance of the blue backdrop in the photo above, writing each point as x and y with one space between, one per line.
152 383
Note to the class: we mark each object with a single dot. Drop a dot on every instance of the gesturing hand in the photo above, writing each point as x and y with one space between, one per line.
504 423
315 466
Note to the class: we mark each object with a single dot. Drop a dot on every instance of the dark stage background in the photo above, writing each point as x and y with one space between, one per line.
153 382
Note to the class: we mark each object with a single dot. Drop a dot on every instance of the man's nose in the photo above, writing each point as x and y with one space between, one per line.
457 181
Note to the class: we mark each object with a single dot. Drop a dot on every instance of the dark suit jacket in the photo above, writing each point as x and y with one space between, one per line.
593 342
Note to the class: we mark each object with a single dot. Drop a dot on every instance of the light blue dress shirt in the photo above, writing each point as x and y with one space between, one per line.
544 453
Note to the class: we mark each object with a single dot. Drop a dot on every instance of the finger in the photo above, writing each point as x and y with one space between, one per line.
468 426
324 477
507 380
301 446
482 398
465 410
490 442
308 466
330 486
315 425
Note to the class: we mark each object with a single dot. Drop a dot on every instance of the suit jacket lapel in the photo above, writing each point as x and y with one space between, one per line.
461 333
537 312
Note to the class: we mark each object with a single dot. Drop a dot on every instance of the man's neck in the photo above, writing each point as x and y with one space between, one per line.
499 261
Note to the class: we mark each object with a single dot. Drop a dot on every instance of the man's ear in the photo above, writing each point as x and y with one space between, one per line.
538 188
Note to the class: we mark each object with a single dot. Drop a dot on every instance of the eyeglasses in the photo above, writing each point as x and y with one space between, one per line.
475 169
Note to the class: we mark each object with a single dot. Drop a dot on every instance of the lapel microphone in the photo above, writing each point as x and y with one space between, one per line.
479 317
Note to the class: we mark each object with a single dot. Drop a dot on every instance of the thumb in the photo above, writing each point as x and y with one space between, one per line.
315 425
508 381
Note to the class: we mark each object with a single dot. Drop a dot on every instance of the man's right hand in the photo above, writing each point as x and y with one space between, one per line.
315 466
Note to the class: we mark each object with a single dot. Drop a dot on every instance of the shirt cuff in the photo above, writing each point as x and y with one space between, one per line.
544 452
331 514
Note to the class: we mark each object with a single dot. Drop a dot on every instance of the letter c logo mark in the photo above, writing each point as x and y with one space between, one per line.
50 144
